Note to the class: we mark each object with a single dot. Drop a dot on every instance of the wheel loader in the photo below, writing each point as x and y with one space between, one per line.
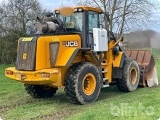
71 49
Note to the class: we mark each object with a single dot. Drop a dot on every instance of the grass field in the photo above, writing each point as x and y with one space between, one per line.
142 104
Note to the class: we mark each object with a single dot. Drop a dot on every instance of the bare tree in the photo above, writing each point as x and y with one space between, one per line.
18 19
18 13
124 14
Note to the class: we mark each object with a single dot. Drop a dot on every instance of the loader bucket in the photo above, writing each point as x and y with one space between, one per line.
145 60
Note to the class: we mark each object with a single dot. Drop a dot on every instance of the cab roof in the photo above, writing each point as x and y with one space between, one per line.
87 8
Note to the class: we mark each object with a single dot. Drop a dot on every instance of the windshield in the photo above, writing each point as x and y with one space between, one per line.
73 22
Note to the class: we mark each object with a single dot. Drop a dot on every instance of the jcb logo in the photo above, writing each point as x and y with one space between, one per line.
24 56
70 43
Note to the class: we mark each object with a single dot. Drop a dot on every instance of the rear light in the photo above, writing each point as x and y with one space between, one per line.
9 72
45 75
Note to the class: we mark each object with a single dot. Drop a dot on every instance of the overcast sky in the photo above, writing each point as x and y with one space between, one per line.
52 4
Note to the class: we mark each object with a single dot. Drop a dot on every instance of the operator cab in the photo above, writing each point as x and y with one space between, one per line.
80 20
73 22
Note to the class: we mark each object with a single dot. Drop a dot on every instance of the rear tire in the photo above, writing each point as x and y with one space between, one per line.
40 91
130 76
82 83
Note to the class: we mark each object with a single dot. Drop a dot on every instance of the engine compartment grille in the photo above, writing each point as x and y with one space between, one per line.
26 54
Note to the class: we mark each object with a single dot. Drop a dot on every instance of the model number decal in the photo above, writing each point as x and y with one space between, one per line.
70 43
28 39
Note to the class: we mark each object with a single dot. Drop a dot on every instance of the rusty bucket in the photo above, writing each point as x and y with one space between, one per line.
147 66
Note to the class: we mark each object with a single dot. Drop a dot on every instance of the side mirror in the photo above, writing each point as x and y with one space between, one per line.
101 25
39 19
48 14
122 38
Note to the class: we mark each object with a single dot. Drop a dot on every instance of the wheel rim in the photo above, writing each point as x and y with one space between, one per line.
133 75
89 84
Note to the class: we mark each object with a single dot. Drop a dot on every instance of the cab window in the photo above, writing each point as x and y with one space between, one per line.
73 22
93 20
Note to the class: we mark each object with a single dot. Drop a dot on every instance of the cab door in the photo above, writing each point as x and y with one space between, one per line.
93 22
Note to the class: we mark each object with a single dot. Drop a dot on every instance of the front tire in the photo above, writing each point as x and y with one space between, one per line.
40 91
82 83
130 76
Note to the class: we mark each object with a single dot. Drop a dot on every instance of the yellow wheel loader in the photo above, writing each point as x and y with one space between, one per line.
71 49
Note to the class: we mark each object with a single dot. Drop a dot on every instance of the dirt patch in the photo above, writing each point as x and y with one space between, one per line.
17 103
4 108
58 115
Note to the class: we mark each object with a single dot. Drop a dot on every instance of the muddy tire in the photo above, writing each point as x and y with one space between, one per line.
82 83
39 91
130 76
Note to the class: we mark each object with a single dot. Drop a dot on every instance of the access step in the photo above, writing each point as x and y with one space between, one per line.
105 79
104 86
105 82
104 71
104 64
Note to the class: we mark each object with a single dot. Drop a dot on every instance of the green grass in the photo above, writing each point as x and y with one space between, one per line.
16 104
156 55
